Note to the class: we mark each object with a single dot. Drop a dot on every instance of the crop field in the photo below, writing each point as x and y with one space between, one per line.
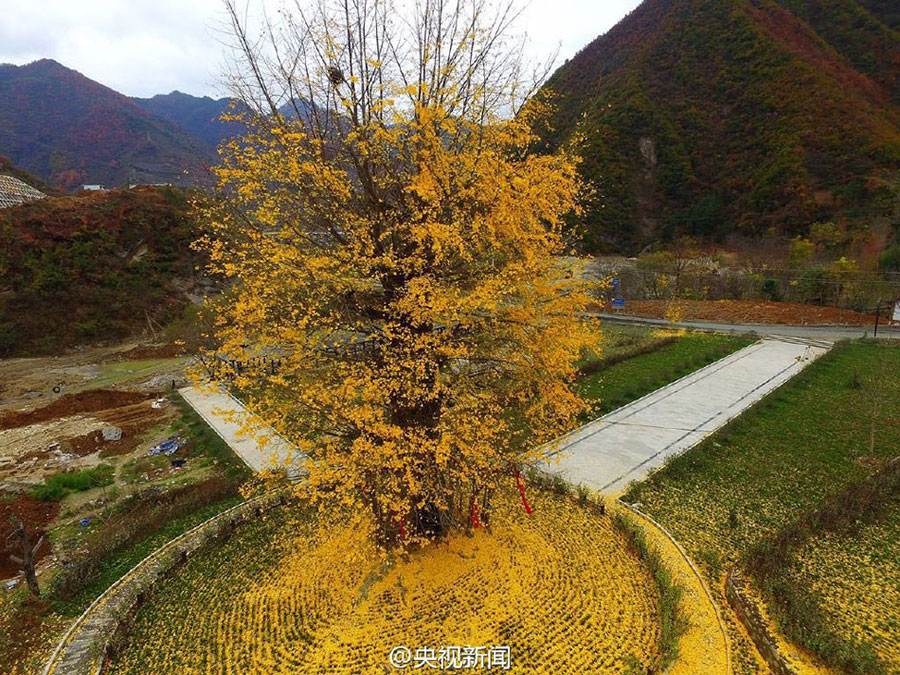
562 588
641 361
831 426
855 582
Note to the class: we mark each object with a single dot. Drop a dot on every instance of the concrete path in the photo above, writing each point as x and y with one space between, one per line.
825 333
628 443
262 449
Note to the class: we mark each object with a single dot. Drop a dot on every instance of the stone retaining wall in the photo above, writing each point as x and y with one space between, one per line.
755 624
91 638
726 640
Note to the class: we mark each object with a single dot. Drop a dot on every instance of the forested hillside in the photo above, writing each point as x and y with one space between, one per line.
69 130
94 267
201 116
712 117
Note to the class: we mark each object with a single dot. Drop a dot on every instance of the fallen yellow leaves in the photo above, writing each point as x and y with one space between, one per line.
857 580
560 588
703 648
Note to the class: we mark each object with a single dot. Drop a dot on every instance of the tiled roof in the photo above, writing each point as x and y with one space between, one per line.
13 192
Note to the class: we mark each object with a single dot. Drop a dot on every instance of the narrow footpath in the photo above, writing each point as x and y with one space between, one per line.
260 446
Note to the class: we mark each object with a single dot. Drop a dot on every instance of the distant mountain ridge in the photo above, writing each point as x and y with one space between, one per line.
711 117
68 130
201 116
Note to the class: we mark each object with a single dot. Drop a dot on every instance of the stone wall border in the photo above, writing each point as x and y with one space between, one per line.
84 648
636 511
755 624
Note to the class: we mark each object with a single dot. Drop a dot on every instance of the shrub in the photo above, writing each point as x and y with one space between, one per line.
890 259
58 485
771 290
672 617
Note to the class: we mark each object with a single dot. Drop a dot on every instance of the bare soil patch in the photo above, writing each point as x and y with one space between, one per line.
93 442
751 311
29 453
35 515
72 404
140 352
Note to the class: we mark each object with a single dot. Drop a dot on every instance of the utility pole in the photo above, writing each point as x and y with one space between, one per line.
26 562
877 316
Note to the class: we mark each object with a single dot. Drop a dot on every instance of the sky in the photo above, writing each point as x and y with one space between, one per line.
147 47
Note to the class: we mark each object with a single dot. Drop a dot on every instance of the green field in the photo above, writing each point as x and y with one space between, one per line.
781 460
122 371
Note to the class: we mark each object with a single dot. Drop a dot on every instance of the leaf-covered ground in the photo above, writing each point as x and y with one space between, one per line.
561 588
855 580
803 443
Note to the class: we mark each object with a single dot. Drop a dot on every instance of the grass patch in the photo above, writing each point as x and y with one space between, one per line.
140 528
122 371
28 626
622 342
627 379
59 485
208 442
800 608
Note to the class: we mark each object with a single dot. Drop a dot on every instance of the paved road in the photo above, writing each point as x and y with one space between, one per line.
824 333
227 416
628 443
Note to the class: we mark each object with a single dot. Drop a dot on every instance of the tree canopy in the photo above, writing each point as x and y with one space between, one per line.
400 248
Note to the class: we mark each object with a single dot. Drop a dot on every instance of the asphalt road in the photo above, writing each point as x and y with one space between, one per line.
823 333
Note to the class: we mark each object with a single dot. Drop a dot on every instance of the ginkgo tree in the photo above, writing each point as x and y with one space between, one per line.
387 230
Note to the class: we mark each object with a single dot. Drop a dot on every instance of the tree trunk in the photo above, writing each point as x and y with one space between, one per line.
28 551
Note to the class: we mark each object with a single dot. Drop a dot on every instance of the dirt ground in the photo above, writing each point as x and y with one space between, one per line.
53 409
93 401
33 382
35 515
31 451
751 311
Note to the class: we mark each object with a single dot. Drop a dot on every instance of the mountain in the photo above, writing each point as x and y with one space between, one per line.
713 117
97 266
198 115
201 116
886 10
69 130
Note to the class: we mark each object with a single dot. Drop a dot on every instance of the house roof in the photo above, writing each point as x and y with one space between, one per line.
14 192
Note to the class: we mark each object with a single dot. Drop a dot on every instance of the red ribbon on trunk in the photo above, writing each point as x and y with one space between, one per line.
521 485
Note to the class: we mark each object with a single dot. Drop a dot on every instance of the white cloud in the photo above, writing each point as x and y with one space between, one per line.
145 47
